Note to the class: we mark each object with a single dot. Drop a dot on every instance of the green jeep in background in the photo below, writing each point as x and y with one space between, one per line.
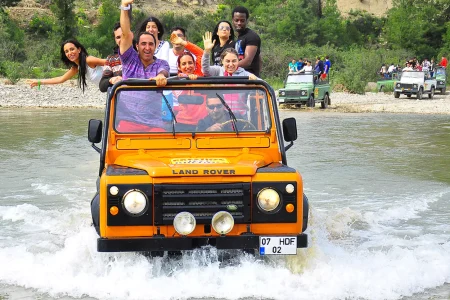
305 89
387 84
441 80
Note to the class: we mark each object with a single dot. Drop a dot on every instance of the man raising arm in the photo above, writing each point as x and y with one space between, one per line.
143 63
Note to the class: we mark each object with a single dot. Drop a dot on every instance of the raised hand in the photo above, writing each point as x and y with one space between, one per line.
175 39
127 2
207 41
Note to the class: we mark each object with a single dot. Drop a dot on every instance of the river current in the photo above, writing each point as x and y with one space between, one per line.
379 191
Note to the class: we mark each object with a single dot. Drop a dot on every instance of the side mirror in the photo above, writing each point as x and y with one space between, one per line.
290 129
95 131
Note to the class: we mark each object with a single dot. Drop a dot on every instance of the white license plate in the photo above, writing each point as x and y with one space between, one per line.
277 245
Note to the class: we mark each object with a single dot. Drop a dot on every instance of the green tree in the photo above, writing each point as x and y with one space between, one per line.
65 16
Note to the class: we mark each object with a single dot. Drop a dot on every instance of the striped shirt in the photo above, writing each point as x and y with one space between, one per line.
132 66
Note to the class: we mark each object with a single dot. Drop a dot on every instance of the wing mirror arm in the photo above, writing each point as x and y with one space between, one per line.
287 147
96 148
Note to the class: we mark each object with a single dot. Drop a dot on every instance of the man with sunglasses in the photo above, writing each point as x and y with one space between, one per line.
217 115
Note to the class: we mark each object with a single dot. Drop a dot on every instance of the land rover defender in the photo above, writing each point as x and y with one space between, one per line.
168 186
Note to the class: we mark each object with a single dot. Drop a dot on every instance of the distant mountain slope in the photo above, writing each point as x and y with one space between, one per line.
26 9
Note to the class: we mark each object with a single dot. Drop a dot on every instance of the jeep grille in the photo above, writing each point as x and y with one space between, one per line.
202 200
292 93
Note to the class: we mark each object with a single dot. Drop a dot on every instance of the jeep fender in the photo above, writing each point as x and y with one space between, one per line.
305 213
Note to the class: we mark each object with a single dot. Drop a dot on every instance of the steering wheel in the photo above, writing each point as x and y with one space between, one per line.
247 124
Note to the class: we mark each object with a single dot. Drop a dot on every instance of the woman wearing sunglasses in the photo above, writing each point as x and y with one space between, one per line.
223 38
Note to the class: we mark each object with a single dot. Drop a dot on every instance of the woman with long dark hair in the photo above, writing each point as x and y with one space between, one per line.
223 38
154 26
75 56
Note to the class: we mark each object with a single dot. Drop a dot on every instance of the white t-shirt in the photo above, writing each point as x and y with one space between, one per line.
173 60
162 52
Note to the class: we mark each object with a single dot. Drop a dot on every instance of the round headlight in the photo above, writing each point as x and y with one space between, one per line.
268 199
398 85
135 202
281 93
222 222
415 86
303 93
184 223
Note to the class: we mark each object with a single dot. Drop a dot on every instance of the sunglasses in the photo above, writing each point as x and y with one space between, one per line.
224 28
212 106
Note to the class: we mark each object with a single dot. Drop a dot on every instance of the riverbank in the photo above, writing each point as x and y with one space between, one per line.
68 95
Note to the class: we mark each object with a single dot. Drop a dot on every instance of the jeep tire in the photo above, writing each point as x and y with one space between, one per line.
324 103
396 94
409 96
431 94
311 102
420 93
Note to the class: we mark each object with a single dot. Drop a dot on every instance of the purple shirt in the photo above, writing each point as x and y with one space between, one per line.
132 66
142 107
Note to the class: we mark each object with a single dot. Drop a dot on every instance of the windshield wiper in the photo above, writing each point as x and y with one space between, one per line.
232 116
174 120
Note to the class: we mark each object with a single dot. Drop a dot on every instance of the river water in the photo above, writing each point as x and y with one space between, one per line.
379 190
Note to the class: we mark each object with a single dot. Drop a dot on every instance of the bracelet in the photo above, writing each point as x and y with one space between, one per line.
125 7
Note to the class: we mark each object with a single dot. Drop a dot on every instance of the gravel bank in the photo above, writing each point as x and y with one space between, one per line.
70 96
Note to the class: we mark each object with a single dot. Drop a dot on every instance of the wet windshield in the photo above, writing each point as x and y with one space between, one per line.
300 78
186 110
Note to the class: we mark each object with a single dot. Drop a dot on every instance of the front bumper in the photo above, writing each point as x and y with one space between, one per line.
161 243
292 100
407 91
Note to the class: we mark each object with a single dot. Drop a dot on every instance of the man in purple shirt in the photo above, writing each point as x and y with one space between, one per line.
139 110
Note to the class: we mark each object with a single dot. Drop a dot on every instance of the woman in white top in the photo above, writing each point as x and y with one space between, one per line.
307 68
155 27
75 56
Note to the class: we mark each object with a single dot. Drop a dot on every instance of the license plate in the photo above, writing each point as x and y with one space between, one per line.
277 245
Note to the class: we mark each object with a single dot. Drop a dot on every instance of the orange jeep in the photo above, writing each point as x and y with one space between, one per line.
219 179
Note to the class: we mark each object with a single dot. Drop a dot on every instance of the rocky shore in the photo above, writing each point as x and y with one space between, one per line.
68 95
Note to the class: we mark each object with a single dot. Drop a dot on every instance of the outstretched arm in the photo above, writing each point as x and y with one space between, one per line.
60 79
127 36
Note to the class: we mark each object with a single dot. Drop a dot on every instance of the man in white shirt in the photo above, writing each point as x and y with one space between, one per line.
177 50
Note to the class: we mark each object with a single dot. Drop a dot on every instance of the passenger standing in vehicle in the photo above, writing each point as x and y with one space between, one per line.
248 44
176 50
154 26
139 111
75 56
112 71
306 68
299 64
443 62
292 67
327 66
223 38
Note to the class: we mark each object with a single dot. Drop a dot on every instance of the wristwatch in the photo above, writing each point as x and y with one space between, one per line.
125 7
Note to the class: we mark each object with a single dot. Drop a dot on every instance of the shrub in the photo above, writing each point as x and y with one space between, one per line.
14 71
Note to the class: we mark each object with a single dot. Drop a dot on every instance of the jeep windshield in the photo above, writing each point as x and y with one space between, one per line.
229 109
412 75
440 71
300 78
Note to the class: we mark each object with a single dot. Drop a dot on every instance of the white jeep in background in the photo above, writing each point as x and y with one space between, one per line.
415 83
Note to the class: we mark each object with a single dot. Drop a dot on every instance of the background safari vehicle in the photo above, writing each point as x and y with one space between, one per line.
387 84
305 89
176 187
441 80
415 83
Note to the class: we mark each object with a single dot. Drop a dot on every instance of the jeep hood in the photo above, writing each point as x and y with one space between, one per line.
241 165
